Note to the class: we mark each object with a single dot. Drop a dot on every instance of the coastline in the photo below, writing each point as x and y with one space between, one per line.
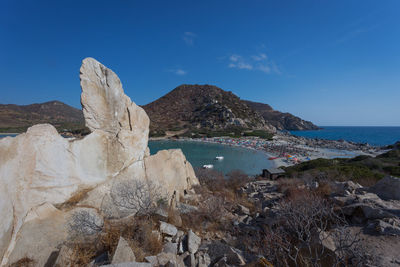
286 150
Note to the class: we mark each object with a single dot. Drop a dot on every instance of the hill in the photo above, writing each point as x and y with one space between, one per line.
209 109
203 108
16 118
280 120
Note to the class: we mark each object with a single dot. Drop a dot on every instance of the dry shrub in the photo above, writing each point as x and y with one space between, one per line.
219 196
138 233
82 255
210 216
24 262
141 238
305 219
174 217
285 185
325 189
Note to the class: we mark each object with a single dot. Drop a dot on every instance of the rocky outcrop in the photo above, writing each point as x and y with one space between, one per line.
40 166
388 188
280 120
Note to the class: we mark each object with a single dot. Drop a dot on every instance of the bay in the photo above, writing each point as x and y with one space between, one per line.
198 154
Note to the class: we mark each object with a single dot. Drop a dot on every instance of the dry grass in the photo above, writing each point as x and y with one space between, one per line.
137 232
219 196
82 255
285 185
74 199
325 189
174 217
142 239
24 262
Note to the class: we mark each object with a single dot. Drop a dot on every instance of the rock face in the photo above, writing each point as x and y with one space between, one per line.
40 166
388 188
280 120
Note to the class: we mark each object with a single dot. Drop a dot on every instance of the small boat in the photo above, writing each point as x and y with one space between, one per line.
208 166
271 158
219 157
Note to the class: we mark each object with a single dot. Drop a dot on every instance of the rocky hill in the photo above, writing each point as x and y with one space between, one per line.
16 118
202 107
280 120
205 108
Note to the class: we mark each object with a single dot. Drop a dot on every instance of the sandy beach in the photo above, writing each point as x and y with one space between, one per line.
287 150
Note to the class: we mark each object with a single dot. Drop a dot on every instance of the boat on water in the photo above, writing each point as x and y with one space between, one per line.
219 157
208 166
271 158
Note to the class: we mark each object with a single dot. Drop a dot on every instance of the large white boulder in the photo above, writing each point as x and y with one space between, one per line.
171 171
40 166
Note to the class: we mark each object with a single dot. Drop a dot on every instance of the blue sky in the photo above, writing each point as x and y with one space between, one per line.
332 62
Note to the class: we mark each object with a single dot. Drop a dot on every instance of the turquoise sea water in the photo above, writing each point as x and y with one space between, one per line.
5 135
377 136
249 161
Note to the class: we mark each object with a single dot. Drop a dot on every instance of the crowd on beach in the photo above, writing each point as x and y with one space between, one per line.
292 149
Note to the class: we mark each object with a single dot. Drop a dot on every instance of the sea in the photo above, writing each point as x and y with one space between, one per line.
249 161
377 136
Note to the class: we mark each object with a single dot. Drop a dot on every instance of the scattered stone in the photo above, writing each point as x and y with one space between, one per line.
186 208
243 210
170 247
385 228
203 259
168 229
152 260
189 259
193 242
123 252
129 264
178 236
171 259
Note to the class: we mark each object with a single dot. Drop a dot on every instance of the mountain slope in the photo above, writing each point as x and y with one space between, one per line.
203 107
280 120
18 118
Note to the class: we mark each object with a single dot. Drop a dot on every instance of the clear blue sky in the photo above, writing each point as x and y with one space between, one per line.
331 62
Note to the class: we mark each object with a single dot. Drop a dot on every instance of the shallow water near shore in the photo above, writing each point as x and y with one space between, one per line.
198 154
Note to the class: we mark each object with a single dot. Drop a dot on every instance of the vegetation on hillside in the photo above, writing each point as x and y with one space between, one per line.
365 170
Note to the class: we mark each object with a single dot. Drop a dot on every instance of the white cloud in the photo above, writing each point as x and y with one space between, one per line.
269 68
264 68
259 57
189 37
258 62
238 62
178 71
243 65
234 58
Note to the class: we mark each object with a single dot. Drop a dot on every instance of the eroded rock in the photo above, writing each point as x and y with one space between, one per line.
40 166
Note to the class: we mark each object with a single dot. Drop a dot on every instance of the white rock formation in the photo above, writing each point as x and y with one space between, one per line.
40 166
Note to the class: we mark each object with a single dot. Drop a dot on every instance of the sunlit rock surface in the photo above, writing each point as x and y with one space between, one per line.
40 166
